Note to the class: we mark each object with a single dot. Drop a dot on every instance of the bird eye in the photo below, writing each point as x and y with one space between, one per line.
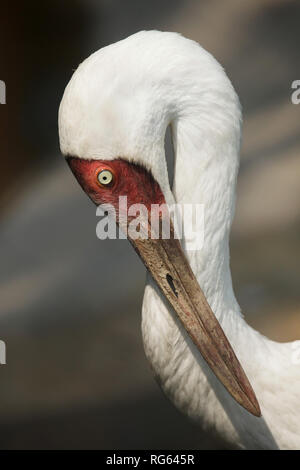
105 177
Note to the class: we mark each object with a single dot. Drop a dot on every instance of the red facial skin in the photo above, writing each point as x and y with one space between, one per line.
129 180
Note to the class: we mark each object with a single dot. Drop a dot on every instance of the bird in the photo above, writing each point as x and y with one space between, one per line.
233 382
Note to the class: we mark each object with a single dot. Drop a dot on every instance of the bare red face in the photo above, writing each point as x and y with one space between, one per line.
105 181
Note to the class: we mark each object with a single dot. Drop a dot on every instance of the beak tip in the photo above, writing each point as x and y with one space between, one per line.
253 407
257 411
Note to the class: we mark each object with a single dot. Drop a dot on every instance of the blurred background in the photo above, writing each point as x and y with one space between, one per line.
76 375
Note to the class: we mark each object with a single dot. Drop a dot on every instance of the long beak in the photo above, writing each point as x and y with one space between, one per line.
166 261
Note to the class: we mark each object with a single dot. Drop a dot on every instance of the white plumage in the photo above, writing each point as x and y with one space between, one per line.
119 103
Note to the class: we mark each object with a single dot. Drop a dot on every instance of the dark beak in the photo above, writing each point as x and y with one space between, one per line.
166 261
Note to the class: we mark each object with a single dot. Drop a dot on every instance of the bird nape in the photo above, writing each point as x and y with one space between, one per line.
112 122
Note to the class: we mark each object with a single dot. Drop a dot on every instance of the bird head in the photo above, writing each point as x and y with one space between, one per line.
112 122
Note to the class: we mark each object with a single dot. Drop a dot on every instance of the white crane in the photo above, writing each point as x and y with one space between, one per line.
113 118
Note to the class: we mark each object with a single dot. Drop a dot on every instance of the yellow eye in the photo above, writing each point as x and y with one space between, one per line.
105 177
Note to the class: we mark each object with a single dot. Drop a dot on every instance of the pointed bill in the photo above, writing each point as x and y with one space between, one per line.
166 261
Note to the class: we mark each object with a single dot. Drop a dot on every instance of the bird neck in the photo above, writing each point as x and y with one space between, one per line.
206 149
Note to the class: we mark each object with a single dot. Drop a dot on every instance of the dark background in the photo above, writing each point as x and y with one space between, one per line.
76 375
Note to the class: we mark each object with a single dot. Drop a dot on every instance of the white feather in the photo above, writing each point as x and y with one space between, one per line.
119 103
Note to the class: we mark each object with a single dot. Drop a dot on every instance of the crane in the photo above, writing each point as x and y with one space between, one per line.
214 367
